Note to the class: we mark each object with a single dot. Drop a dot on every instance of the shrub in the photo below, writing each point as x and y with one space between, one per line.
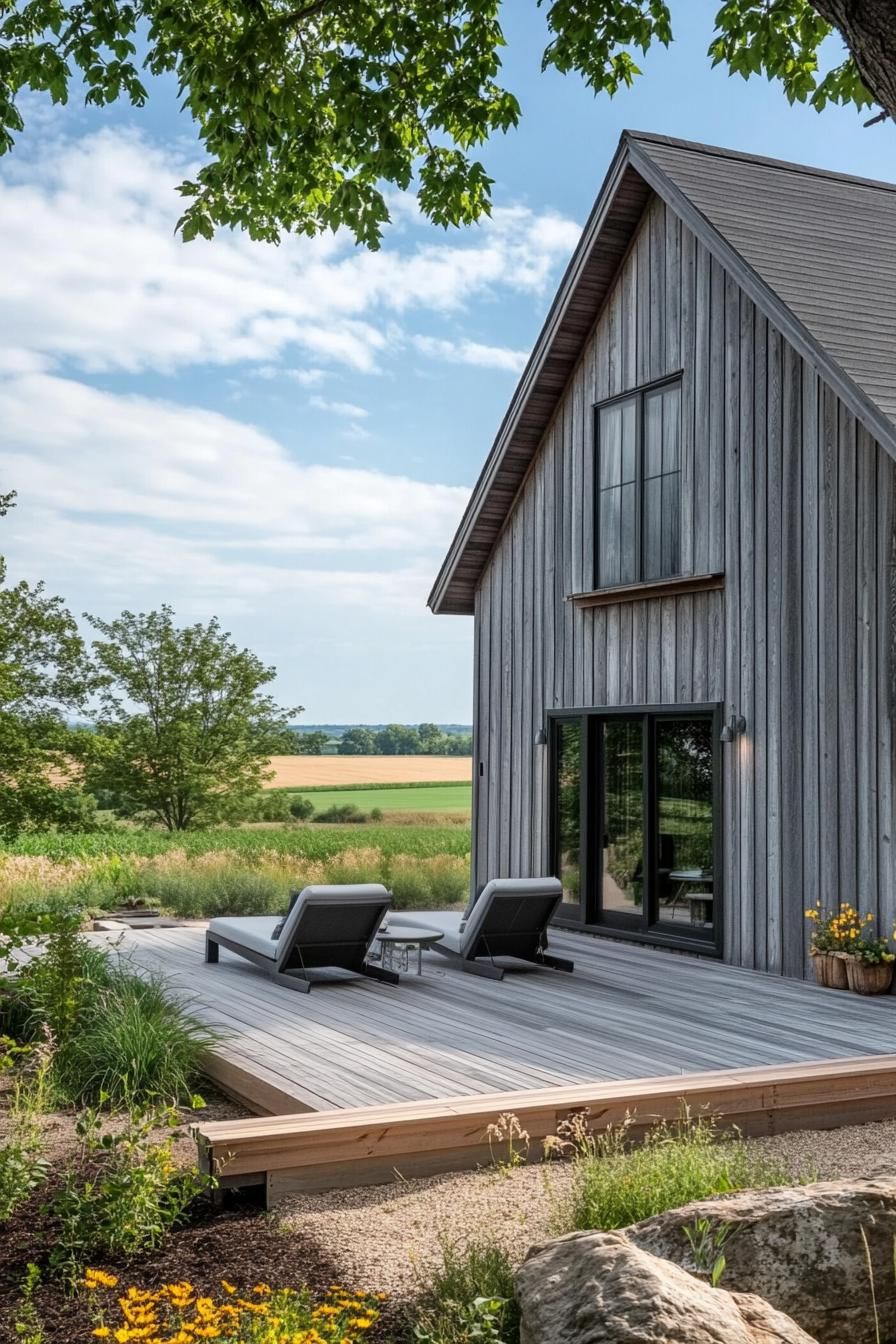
343 814
126 1195
469 1297
54 991
301 809
263 1316
23 1166
614 1184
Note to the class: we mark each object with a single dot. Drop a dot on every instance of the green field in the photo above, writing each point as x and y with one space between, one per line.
307 842
393 798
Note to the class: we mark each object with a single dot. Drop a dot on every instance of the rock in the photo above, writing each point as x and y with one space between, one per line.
599 1288
801 1249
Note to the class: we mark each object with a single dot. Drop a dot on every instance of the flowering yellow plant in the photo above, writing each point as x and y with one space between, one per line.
837 930
177 1313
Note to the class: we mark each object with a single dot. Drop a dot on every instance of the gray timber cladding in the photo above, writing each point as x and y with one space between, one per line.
787 494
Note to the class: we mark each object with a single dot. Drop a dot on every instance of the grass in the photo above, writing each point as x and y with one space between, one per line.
204 874
615 1184
135 1041
394 798
469 1296
109 1035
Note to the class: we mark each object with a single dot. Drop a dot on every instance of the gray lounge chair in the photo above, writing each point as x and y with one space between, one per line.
508 919
325 927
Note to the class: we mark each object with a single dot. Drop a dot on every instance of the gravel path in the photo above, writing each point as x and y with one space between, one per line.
389 1236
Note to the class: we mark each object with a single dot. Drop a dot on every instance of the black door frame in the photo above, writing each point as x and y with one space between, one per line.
587 913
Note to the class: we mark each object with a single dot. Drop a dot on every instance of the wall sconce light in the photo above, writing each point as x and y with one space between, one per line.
736 725
541 738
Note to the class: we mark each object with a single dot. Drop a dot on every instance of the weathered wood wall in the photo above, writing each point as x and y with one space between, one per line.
784 492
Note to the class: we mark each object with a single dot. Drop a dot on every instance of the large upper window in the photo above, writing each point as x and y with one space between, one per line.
639 486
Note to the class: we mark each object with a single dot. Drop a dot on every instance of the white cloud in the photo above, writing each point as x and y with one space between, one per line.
94 274
307 377
473 352
157 472
347 409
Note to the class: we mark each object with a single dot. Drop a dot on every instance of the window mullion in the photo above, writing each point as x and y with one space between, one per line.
639 484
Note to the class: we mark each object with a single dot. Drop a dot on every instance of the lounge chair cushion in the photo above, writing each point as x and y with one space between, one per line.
253 931
460 931
517 886
272 935
329 896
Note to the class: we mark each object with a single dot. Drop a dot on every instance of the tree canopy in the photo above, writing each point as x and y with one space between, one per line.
45 678
309 111
404 739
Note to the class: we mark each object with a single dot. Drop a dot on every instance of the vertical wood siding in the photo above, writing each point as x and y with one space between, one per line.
794 501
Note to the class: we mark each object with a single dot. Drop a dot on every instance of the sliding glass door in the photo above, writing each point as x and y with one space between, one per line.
634 821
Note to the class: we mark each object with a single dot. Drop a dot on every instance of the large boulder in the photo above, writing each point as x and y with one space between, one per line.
599 1288
801 1248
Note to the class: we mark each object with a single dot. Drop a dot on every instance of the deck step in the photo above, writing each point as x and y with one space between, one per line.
370 1144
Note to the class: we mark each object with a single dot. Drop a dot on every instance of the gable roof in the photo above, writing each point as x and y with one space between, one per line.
816 252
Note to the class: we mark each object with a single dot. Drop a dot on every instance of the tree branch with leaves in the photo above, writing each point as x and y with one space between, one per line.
309 114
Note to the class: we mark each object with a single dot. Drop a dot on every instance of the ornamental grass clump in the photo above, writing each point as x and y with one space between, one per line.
178 1313
615 1183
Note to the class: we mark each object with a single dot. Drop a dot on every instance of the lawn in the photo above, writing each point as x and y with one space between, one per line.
449 797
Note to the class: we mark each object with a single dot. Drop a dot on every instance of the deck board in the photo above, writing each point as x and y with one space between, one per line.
627 1012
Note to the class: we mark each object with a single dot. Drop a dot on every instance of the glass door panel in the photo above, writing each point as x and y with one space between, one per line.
569 757
622 792
683 770
634 799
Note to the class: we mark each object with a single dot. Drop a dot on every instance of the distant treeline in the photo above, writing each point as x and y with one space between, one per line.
395 739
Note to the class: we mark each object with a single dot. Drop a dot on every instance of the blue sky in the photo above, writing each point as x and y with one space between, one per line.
286 437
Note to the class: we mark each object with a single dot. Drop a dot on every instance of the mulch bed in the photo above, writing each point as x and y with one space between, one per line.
236 1242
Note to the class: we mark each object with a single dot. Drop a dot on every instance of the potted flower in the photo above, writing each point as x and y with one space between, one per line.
834 933
870 967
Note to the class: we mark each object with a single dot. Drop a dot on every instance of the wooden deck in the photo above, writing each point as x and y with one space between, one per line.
627 1013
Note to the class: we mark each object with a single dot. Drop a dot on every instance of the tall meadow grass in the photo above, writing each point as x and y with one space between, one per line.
191 878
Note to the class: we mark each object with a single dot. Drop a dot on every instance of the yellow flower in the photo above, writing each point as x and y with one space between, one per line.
102 1332
228 1287
98 1278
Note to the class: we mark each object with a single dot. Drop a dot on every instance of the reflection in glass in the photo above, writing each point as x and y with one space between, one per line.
617 483
622 882
569 807
662 482
684 769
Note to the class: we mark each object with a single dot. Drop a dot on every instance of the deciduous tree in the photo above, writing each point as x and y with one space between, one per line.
357 742
309 110
186 725
45 680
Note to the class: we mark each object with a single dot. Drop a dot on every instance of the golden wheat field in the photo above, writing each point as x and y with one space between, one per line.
304 772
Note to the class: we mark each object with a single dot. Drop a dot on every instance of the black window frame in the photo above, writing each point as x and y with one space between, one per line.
638 395
588 913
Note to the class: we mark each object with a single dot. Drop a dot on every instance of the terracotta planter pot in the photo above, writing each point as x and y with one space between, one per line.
830 969
865 979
